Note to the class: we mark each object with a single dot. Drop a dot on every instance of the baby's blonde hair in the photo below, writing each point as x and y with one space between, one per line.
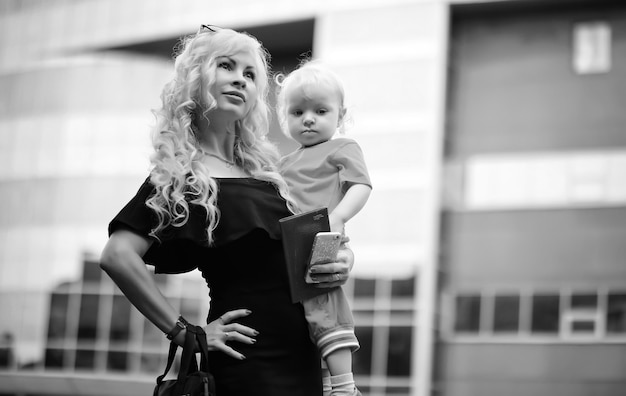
308 72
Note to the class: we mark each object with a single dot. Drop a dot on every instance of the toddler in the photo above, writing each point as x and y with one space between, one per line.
325 171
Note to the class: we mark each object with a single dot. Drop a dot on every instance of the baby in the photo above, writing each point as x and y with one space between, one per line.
325 171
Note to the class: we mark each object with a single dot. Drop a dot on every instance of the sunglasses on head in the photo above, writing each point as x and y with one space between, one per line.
210 28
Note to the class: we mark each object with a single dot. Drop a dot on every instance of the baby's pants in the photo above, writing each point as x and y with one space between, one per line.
331 325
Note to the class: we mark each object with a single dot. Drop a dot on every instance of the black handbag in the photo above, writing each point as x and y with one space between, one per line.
191 381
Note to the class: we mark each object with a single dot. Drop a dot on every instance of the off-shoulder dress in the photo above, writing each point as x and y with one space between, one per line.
243 269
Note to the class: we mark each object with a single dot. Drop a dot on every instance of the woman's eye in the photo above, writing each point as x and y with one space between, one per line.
250 75
224 65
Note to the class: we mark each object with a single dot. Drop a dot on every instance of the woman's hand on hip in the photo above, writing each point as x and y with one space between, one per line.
223 331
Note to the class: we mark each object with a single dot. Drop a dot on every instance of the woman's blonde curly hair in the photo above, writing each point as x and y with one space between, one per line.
179 175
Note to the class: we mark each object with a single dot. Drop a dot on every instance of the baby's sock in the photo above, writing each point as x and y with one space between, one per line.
343 385
326 385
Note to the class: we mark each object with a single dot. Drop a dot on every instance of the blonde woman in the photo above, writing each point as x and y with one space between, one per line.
212 202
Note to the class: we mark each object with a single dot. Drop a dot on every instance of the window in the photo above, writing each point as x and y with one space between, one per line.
117 361
592 47
584 301
580 323
88 318
364 287
545 313
363 357
58 316
91 270
53 358
120 319
582 318
568 315
467 314
85 359
506 313
616 313
403 287
399 351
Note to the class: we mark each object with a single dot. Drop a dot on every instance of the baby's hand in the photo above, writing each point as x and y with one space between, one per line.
336 225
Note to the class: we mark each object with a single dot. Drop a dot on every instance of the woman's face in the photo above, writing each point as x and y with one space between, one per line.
234 88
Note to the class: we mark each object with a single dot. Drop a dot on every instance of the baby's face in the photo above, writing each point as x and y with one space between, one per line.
313 114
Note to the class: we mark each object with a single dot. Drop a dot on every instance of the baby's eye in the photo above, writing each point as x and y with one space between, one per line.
322 111
296 113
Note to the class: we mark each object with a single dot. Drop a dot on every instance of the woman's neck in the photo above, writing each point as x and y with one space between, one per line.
217 138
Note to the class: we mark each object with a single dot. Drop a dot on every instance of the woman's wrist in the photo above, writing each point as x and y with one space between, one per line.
181 324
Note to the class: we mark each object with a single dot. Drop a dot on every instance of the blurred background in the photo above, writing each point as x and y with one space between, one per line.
490 258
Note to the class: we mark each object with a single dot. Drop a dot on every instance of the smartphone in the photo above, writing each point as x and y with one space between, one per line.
324 250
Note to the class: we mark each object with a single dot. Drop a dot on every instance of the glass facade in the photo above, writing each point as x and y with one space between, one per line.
92 327
384 314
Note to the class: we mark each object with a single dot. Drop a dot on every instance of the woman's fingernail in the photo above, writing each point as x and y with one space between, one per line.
248 311
256 333
252 340
241 357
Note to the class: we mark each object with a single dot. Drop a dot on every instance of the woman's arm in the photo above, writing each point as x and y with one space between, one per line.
122 260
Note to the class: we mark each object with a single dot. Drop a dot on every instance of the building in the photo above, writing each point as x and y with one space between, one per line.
532 235
78 81
494 137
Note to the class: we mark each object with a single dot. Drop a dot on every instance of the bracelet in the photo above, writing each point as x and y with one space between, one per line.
181 324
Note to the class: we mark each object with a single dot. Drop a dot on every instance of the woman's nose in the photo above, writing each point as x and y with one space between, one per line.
240 81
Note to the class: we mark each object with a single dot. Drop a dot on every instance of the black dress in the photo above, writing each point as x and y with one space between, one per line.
243 269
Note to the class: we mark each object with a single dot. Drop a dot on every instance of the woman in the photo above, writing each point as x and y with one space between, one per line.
212 202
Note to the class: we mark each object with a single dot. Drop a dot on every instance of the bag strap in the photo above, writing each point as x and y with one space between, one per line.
188 353
204 349
170 361
195 337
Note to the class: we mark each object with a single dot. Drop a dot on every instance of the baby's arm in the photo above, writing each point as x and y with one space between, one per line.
352 202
